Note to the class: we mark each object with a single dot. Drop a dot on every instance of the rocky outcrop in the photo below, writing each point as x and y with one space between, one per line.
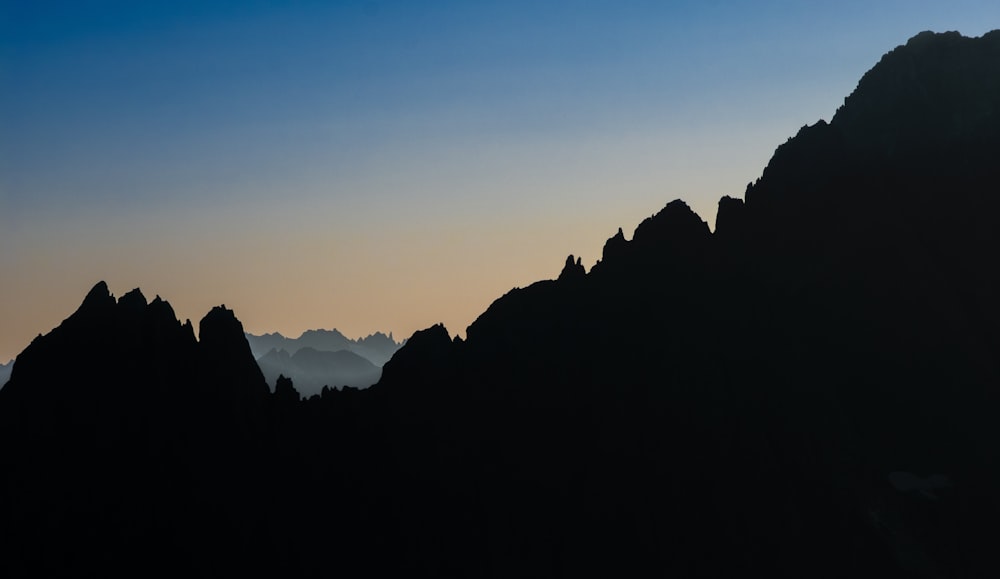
285 392
427 356
573 270
730 221
225 359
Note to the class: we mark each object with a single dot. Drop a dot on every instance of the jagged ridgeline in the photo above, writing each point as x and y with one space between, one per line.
809 391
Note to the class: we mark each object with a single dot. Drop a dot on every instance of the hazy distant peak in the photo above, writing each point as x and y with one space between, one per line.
5 371
321 332
377 347
280 353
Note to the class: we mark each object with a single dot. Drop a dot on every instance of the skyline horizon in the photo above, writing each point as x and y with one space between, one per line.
379 167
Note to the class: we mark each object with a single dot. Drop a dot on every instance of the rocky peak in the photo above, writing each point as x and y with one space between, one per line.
938 88
730 220
614 247
573 270
423 357
98 299
220 328
675 227
227 361
132 301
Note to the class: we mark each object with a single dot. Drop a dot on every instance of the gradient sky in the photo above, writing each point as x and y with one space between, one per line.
389 165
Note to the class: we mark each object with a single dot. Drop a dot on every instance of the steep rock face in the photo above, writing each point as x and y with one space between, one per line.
920 128
614 247
891 208
730 221
935 92
424 358
226 361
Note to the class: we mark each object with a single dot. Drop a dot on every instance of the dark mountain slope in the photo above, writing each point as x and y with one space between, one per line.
143 458
839 327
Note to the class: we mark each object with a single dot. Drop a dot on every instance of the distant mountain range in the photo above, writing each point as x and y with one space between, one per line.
377 348
320 358
5 370
810 391
311 369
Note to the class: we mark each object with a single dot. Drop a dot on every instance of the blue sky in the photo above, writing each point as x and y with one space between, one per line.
396 163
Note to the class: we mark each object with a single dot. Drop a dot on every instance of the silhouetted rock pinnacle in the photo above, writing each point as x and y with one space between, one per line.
614 247
97 298
226 361
573 270
284 392
730 220
426 354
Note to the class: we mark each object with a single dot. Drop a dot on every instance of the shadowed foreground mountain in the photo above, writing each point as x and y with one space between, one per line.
811 391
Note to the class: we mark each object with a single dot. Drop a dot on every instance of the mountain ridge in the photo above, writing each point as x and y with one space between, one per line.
376 347
809 391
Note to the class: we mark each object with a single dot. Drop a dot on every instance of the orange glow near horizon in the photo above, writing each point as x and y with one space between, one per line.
381 261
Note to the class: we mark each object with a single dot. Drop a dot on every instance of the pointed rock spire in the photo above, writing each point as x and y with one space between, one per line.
572 269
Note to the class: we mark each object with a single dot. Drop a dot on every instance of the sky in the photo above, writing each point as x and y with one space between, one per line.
385 166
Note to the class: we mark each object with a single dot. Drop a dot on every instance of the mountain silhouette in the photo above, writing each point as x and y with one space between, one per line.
834 330
118 426
809 391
